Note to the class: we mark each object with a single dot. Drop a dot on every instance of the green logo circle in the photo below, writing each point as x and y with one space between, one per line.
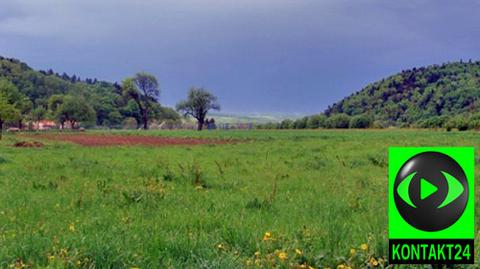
431 191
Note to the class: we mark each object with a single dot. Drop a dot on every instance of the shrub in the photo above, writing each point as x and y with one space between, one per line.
130 123
378 124
459 122
114 120
286 124
268 125
474 121
462 124
474 124
300 123
360 121
316 121
340 121
432 122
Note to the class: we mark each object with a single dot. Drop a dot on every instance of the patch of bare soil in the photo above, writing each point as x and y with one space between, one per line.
90 140
28 144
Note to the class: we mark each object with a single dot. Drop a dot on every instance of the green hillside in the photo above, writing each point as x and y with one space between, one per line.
444 95
40 89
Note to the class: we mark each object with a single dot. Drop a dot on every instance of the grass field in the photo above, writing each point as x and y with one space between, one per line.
284 199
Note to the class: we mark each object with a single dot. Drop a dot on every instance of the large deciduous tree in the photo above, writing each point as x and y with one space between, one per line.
54 104
72 109
144 90
197 105
76 109
12 103
8 112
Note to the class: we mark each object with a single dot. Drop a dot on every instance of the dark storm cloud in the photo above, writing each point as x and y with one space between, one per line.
270 55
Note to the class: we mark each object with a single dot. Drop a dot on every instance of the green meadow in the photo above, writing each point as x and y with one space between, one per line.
270 199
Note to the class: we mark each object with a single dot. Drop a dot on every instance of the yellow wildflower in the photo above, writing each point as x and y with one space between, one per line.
298 251
63 252
19 264
364 246
267 236
79 263
257 253
282 255
353 252
71 227
51 257
135 268
373 262
221 246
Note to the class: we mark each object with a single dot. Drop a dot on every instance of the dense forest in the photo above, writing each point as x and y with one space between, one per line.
38 95
437 96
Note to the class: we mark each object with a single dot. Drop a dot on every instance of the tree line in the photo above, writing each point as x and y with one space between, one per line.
437 96
462 122
28 96
339 121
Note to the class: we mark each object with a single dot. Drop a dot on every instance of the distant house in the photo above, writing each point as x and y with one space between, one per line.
13 130
44 125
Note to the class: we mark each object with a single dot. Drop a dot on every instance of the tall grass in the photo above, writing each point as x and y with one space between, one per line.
285 199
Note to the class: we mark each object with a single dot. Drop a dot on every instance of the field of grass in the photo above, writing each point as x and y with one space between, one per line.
283 199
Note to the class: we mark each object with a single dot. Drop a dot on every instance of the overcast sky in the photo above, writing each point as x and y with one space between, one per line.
294 56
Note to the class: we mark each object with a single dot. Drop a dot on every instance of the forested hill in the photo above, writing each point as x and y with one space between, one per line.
104 98
422 97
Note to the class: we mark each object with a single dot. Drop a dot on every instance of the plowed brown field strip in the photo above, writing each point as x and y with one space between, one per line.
93 140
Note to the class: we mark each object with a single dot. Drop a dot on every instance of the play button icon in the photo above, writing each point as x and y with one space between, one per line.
431 191
426 189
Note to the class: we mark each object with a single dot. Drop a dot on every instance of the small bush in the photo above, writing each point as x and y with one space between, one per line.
459 122
360 121
130 123
340 121
300 123
286 124
432 122
474 121
316 121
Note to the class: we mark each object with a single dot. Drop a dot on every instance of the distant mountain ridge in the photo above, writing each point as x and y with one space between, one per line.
256 118
420 97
